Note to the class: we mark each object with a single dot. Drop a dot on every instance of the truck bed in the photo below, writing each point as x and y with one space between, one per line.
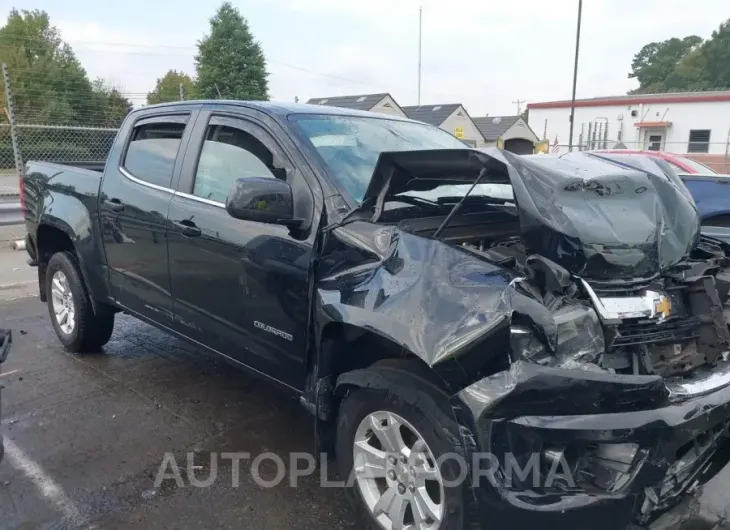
42 179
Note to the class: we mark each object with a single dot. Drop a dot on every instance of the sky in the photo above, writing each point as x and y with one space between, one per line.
486 54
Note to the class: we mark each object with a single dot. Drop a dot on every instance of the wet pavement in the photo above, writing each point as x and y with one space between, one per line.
86 437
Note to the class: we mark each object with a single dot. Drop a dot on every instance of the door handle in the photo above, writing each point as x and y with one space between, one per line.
115 205
188 228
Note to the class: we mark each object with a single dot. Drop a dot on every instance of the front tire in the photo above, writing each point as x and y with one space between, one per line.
389 447
77 326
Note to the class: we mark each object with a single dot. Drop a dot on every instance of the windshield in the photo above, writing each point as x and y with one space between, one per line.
350 145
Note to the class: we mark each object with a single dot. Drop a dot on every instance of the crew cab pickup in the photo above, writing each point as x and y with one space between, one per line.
481 338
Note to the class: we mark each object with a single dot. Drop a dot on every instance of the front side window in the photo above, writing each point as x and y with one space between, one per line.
229 154
152 151
350 145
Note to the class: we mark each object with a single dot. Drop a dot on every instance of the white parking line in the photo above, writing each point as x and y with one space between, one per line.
45 485
8 373
6 286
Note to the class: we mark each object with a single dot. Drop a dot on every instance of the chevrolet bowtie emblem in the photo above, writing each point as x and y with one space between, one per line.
663 307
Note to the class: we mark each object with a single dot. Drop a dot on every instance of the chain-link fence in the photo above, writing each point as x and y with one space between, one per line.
8 175
50 143
71 138
64 144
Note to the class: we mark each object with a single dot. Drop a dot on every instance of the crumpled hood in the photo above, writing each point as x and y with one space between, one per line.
596 218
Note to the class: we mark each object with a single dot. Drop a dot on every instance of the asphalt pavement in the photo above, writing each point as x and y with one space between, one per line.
86 437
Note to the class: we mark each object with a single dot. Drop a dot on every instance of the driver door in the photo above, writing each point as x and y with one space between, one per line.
233 282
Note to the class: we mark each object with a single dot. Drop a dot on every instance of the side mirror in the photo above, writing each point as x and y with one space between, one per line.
264 200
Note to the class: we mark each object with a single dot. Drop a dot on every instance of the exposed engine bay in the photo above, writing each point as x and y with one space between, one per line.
639 296
667 325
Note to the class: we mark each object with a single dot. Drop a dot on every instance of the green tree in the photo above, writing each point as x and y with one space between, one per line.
49 83
167 88
716 52
109 106
657 60
229 61
689 72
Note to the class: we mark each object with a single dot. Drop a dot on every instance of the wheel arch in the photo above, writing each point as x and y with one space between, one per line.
350 349
52 236
55 235
351 357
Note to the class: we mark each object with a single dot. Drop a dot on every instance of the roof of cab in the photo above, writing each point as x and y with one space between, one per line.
279 109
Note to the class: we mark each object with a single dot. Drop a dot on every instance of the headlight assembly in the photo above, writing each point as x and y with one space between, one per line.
580 335
527 347
580 339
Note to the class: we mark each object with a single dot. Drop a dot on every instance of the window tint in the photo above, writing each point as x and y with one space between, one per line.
152 151
229 154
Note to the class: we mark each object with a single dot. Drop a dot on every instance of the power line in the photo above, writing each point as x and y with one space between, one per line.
99 43
194 48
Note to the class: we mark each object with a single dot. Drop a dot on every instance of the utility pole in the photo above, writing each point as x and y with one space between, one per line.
575 77
519 103
182 93
420 39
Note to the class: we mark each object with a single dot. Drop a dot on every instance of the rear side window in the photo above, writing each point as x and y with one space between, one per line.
152 151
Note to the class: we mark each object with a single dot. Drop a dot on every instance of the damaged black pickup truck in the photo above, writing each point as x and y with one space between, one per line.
483 339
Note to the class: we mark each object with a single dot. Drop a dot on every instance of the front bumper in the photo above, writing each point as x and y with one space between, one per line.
681 446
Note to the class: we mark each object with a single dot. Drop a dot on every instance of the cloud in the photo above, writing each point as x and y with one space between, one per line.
485 54
127 59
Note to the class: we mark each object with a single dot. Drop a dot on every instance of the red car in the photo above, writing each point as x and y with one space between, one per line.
681 163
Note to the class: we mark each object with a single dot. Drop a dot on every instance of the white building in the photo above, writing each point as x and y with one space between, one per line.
696 123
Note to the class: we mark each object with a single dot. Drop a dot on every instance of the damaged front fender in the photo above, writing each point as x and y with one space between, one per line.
447 307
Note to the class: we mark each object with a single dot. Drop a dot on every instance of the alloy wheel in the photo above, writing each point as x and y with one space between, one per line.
397 474
63 303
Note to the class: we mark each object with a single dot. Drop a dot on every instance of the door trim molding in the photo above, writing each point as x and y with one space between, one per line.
199 199
141 182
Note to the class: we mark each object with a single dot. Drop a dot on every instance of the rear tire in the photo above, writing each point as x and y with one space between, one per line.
77 326
441 436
